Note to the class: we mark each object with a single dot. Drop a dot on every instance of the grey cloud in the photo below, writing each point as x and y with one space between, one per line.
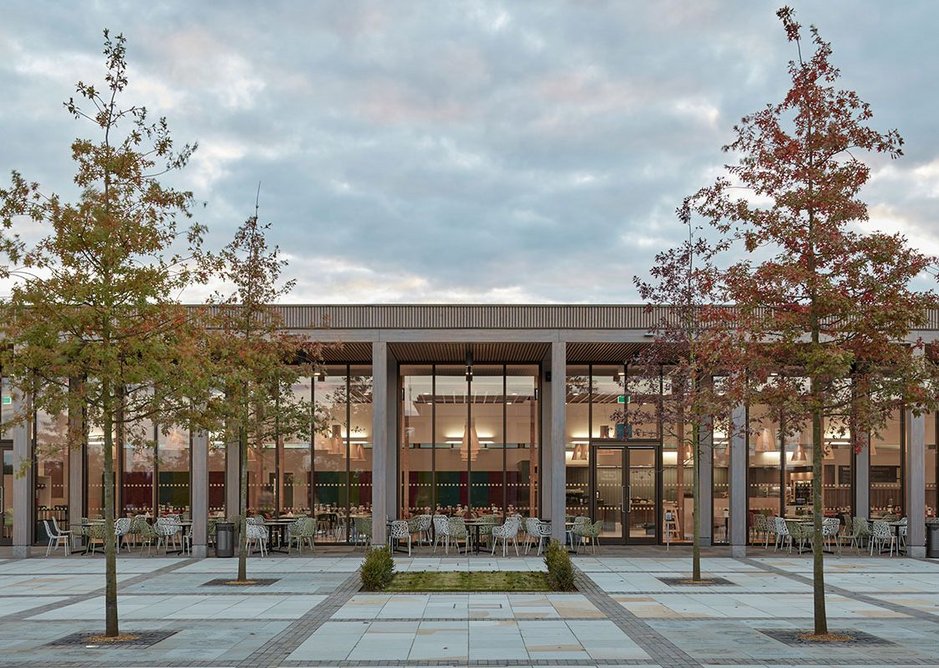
521 150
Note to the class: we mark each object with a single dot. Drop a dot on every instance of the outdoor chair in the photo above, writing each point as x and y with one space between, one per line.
531 533
146 533
770 523
456 532
441 530
860 533
122 527
782 534
591 532
363 531
169 530
400 531
94 534
882 535
489 522
796 531
257 534
507 532
302 529
579 522
901 532
830 528
57 537
758 529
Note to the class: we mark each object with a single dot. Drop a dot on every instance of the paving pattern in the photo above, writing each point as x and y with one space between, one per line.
625 613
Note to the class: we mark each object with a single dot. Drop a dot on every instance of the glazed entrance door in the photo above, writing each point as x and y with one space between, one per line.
624 483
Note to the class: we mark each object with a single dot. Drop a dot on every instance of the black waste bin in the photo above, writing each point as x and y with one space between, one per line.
932 540
225 539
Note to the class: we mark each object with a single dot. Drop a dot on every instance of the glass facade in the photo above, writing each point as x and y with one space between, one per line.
469 441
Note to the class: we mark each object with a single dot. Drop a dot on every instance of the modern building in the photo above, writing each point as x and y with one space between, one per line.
512 407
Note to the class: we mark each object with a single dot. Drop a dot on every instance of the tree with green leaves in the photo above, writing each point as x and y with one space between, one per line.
94 303
256 360
827 309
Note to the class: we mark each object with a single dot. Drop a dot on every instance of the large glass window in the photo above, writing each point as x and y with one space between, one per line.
469 440
173 464
416 441
217 459
52 467
720 474
886 468
137 479
342 456
577 451
296 459
763 475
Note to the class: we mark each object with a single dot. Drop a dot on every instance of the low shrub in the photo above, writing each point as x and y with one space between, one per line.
377 569
560 568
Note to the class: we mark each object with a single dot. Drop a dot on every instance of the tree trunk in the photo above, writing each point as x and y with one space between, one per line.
696 503
818 556
242 532
110 556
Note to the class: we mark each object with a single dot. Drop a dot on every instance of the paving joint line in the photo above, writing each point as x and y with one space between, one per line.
277 649
660 649
847 593
23 615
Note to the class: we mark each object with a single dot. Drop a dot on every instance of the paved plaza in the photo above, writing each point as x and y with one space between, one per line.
626 613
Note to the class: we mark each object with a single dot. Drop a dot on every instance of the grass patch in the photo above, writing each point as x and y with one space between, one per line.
469 581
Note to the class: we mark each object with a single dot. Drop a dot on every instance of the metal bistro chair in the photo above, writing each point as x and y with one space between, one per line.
363 531
782 534
57 537
302 529
400 531
860 533
122 526
441 531
882 535
507 532
531 531
456 532
830 528
591 532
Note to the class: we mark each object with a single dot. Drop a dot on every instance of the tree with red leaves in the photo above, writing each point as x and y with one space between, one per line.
828 310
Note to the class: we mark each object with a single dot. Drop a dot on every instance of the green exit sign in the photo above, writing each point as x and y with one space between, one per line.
7 401
622 399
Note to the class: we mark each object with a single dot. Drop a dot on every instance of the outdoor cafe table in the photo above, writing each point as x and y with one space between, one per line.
279 526
475 525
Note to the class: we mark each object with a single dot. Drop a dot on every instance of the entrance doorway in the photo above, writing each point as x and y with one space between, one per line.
6 494
625 484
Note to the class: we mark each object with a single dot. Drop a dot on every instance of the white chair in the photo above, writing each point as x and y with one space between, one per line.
901 532
257 534
121 530
531 531
507 532
441 531
769 524
830 528
400 531
57 537
782 535
169 530
882 535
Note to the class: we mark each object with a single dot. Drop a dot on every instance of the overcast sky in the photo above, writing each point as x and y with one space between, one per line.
464 151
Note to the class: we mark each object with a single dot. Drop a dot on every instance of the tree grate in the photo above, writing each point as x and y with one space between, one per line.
686 582
85 639
793 638
230 582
